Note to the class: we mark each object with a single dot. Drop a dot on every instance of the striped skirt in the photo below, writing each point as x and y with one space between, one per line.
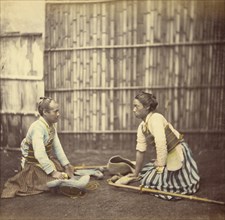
183 181
30 180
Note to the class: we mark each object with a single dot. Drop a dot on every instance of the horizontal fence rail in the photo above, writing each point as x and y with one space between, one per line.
197 131
135 88
19 78
153 45
18 34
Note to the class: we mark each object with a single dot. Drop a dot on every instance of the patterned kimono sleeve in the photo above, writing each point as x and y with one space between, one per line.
141 140
40 151
59 152
156 127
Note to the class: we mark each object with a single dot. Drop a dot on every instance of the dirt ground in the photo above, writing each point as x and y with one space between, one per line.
109 203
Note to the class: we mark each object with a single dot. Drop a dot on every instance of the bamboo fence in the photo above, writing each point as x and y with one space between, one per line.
21 85
99 54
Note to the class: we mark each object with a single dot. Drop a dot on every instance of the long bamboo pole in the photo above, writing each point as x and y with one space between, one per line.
142 189
83 166
90 167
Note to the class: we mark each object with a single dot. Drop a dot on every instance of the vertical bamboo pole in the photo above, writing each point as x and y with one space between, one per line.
87 66
129 65
212 92
190 64
220 71
66 71
83 66
161 62
194 62
208 115
169 23
165 53
149 39
57 62
134 59
215 100
103 70
99 53
94 68
78 75
47 56
139 34
61 79
186 23
91 66
82 115
75 84
112 71
155 7
55 54
119 66
124 42
67 26
177 60
70 69
158 24
90 63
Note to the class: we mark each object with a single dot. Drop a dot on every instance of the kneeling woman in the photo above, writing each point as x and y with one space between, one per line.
174 169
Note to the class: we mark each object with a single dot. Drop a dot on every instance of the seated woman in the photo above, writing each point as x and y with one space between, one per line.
174 169
39 164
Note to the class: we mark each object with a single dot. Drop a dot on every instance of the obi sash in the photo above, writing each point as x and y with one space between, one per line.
30 158
171 139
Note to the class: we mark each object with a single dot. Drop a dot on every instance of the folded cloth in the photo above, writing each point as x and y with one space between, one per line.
91 172
76 183
124 180
120 165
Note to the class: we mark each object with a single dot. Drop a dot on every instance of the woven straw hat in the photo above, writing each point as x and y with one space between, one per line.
120 165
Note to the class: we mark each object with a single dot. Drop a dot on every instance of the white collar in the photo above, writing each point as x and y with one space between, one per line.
44 121
148 116
145 123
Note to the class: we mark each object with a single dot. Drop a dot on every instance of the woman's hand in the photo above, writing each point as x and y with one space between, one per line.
69 169
159 169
